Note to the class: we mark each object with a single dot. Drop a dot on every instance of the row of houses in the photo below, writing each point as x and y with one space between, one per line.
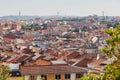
56 52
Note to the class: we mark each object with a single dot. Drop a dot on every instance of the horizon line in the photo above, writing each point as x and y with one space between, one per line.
64 15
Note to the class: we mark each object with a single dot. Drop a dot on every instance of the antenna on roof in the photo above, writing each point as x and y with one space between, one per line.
19 13
103 15
58 14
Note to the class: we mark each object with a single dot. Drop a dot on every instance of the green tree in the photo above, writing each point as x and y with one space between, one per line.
112 71
113 47
6 24
35 28
89 77
4 72
76 30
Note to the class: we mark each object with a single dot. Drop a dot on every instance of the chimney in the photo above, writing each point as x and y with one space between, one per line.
98 56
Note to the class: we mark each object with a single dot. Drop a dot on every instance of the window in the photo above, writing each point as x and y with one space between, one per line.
67 76
44 77
31 77
79 75
57 76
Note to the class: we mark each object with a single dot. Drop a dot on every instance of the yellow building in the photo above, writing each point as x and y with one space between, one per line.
52 72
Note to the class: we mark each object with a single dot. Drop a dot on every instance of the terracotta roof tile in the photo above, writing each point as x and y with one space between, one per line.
19 60
51 69
73 55
83 63
42 62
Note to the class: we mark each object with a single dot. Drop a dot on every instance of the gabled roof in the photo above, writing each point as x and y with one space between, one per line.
42 62
11 36
6 58
83 63
51 69
73 55
21 59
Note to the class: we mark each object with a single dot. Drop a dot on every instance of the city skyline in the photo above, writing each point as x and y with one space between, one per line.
64 7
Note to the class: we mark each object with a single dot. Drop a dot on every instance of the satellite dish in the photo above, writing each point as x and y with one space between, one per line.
94 39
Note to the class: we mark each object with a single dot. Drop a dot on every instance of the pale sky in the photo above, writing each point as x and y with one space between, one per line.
64 7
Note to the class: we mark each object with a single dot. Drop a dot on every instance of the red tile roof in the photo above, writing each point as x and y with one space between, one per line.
83 63
73 55
51 69
19 60
11 37
42 62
